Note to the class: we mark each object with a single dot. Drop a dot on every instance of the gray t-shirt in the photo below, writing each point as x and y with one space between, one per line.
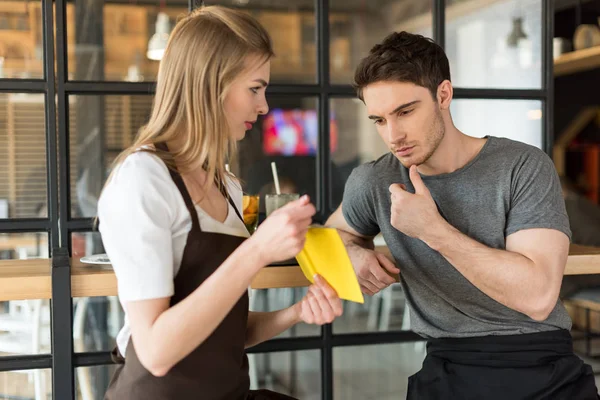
507 187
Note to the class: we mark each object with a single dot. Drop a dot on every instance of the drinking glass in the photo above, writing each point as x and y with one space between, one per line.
250 210
275 201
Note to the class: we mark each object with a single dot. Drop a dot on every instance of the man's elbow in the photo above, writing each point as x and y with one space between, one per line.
541 308
541 315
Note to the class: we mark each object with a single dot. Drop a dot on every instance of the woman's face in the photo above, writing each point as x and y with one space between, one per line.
246 99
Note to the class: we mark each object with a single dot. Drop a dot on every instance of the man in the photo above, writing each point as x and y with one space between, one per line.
478 228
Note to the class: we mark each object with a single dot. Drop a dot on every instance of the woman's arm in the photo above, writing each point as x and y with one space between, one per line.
321 305
163 336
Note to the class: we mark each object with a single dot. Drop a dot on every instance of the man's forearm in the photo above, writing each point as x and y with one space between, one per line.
350 240
508 277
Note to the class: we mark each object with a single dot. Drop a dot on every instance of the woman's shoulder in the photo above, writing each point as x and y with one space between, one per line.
142 177
139 165
234 186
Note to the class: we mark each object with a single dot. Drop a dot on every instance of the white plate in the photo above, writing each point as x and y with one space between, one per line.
96 259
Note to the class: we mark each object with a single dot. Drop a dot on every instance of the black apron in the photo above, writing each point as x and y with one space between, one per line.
218 368
531 366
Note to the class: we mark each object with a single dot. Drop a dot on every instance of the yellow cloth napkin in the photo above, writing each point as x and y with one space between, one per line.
324 253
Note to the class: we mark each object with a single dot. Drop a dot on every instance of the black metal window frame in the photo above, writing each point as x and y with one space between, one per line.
59 224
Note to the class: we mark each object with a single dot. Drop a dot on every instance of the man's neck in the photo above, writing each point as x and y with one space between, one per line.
454 152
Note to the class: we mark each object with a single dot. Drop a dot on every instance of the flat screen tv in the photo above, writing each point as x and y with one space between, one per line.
294 133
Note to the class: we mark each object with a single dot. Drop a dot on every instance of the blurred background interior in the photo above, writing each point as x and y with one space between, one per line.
505 88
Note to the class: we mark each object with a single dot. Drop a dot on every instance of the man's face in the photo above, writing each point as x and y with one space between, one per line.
408 119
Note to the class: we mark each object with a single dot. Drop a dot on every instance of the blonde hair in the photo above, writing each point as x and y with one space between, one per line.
207 50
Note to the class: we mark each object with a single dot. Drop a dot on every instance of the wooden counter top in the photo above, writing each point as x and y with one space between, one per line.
30 279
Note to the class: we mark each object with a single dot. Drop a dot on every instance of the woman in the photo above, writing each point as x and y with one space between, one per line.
170 222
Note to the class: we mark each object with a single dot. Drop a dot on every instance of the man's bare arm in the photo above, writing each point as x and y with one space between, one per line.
374 270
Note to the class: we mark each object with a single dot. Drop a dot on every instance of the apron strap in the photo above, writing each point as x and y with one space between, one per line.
176 176
186 195
235 208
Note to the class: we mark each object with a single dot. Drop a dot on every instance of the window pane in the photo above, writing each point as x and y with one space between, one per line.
96 323
111 41
25 327
514 119
358 142
96 320
386 311
288 136
496 44
21 44
297 373
22 156
375 372
124 39
19 246
91 382
100 127
291 25
355 27
26 384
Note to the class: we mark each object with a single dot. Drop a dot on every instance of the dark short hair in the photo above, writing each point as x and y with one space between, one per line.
404 57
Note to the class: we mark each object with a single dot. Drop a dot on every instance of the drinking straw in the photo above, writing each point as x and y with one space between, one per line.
275 178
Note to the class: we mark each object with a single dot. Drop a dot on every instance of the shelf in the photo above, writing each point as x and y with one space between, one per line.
31 279
577 61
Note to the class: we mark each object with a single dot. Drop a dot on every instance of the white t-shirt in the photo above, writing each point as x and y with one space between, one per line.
144 224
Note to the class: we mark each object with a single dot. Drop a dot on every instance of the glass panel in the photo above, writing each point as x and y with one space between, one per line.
356 26
86 244
514 119
24 327
386 311
495 44
96 320
358 142
26 384
296 374
100 127
21 44
96 323
291 25
120 48
288 136
91 382
375 372
111 41
19 246
23 177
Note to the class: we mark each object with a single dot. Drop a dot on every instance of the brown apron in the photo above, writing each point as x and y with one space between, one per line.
218 368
